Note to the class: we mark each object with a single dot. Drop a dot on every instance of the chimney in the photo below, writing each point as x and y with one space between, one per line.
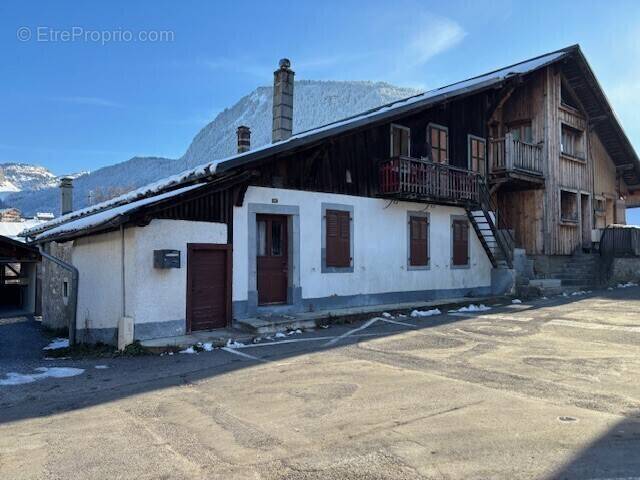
244 139
282 101
66 195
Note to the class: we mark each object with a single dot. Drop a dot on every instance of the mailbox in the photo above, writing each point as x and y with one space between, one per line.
166 259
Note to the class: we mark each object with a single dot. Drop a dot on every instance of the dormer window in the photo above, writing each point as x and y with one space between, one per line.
400 141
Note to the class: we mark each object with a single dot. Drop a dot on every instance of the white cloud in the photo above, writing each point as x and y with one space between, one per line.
436 35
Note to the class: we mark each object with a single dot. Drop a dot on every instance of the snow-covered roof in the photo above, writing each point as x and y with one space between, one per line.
377 114
105 217
14 229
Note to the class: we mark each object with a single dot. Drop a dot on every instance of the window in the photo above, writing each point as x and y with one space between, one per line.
571 142
460 242
568 206
567 98
477 149
418 240
400 141
338 238
65 289
521 131
439 140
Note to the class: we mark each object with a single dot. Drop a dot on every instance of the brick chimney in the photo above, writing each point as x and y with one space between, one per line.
244 139
282 101
66 195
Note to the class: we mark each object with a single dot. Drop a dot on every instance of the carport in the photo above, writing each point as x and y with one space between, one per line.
18 263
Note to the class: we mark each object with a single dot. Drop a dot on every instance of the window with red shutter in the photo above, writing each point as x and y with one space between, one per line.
338 238
460 243
418 241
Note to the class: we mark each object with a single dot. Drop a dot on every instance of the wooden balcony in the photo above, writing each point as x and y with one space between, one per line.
409 178
511 159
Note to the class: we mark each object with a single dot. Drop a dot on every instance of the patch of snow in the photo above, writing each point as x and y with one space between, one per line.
57 343
13 378
207 346
516 301
280 335
627 285
231 343
101 367
294 332
578 293
471 308
544 298
189 350
387 315
425 313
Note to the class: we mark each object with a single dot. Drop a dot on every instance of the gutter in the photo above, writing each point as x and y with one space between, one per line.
74 290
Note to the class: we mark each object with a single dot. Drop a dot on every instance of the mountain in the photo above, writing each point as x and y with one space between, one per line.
20 177
316 103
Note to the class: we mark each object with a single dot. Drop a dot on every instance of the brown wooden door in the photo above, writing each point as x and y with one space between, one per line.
208 286
272 251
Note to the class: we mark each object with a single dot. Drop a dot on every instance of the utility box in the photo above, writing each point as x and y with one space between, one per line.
166 259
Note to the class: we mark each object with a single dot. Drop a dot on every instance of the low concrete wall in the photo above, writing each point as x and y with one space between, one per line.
624 270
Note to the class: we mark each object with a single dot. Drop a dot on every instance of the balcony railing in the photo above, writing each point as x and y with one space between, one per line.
413 178
510 155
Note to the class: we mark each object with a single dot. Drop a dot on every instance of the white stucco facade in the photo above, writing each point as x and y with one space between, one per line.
380 248
154 298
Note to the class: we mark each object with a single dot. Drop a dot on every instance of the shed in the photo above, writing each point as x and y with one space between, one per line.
18 263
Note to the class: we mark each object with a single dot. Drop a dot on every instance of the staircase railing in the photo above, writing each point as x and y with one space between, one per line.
504 237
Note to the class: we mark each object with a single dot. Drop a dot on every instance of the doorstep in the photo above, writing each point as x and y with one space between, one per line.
266 324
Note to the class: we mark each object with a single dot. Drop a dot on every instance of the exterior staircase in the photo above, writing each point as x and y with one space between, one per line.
495 237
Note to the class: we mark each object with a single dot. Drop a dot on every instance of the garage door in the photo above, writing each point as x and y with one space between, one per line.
208 286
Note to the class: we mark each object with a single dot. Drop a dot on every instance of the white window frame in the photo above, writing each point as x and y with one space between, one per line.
400 127
431 125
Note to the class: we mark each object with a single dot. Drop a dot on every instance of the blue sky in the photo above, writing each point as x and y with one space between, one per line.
84 103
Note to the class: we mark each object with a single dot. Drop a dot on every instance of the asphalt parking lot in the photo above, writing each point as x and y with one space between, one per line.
546 389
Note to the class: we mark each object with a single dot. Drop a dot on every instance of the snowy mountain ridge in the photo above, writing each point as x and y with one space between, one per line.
316 103
18 177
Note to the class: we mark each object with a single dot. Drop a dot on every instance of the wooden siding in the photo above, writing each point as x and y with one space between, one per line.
523 213
604 171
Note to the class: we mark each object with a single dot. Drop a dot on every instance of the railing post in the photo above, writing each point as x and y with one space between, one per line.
508 151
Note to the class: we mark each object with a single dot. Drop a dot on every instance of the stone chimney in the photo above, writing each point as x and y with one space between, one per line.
66 195
244 139
282 101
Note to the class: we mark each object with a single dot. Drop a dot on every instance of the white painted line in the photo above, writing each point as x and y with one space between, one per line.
594 326
245 355
366 324
398 323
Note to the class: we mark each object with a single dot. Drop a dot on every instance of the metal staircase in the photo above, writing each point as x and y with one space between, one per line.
494 235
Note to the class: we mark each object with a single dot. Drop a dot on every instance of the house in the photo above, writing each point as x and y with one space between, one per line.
12 223
433 196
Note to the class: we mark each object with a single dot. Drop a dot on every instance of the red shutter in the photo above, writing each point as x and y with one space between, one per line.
338 241
460 242
418 241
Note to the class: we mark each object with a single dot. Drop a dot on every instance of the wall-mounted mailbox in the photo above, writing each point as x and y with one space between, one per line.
166 259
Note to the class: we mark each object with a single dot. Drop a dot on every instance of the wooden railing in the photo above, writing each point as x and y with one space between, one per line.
509 155
406 177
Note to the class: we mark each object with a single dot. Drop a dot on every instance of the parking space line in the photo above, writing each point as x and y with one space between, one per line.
366 324
245 355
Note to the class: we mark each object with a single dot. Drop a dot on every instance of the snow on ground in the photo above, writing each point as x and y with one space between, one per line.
515 301
627 285
233 344
101 367
280 335
578 293
471 308
207 347
189 350
425 313
13 378
57 343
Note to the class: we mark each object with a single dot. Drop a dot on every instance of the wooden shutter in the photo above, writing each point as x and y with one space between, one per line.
460 242
439 138
418 241
338 241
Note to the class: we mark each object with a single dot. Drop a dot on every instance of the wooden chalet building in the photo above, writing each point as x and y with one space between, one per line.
428 197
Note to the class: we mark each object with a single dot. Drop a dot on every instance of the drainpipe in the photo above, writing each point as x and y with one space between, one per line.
74 290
